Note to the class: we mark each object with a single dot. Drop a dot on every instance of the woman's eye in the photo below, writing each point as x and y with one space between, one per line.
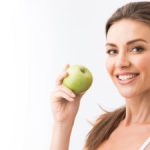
111 52
137 49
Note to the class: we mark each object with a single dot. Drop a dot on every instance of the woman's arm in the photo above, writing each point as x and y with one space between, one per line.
61 136
65 105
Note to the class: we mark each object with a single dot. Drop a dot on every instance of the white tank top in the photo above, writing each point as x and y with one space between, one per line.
145 144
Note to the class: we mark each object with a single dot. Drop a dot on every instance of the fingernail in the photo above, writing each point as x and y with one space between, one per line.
73 95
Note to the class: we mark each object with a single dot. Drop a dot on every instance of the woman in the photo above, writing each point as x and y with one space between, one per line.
128 50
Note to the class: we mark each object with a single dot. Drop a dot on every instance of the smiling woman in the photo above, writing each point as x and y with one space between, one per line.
128 59
127 63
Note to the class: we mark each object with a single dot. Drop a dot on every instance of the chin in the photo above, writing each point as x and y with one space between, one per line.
127 93
127 96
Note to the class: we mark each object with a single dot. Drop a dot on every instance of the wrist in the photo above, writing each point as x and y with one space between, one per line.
63 124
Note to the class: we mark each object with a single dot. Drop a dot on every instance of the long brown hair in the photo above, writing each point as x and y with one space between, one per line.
109 121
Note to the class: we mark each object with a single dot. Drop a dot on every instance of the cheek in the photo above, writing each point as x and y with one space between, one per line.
109 66
143 63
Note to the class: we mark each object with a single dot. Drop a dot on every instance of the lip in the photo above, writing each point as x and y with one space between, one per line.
126 73
124 82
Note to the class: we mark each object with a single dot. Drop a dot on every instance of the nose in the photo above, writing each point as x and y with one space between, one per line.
123 61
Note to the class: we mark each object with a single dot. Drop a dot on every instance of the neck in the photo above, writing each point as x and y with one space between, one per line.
137 110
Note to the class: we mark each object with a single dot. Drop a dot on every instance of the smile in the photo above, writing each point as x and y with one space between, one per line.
127 78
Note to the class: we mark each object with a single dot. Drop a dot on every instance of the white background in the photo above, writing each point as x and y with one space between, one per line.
37 39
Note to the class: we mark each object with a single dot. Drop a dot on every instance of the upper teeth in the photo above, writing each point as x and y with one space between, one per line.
126 77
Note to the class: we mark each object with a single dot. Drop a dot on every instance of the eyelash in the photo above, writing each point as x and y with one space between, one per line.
139 49
111 50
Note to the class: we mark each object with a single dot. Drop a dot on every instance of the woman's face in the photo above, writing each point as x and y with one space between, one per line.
128 57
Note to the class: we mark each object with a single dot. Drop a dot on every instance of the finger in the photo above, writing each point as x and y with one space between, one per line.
61 77
66 66
61 95
67 91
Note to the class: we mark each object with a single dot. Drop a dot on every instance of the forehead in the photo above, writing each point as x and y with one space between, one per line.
126 30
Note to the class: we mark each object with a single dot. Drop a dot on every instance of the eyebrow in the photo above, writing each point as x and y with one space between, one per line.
128 43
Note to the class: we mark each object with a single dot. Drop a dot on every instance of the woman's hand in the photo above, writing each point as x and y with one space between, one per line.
64 102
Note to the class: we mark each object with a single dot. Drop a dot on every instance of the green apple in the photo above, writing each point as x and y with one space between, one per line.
79 79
